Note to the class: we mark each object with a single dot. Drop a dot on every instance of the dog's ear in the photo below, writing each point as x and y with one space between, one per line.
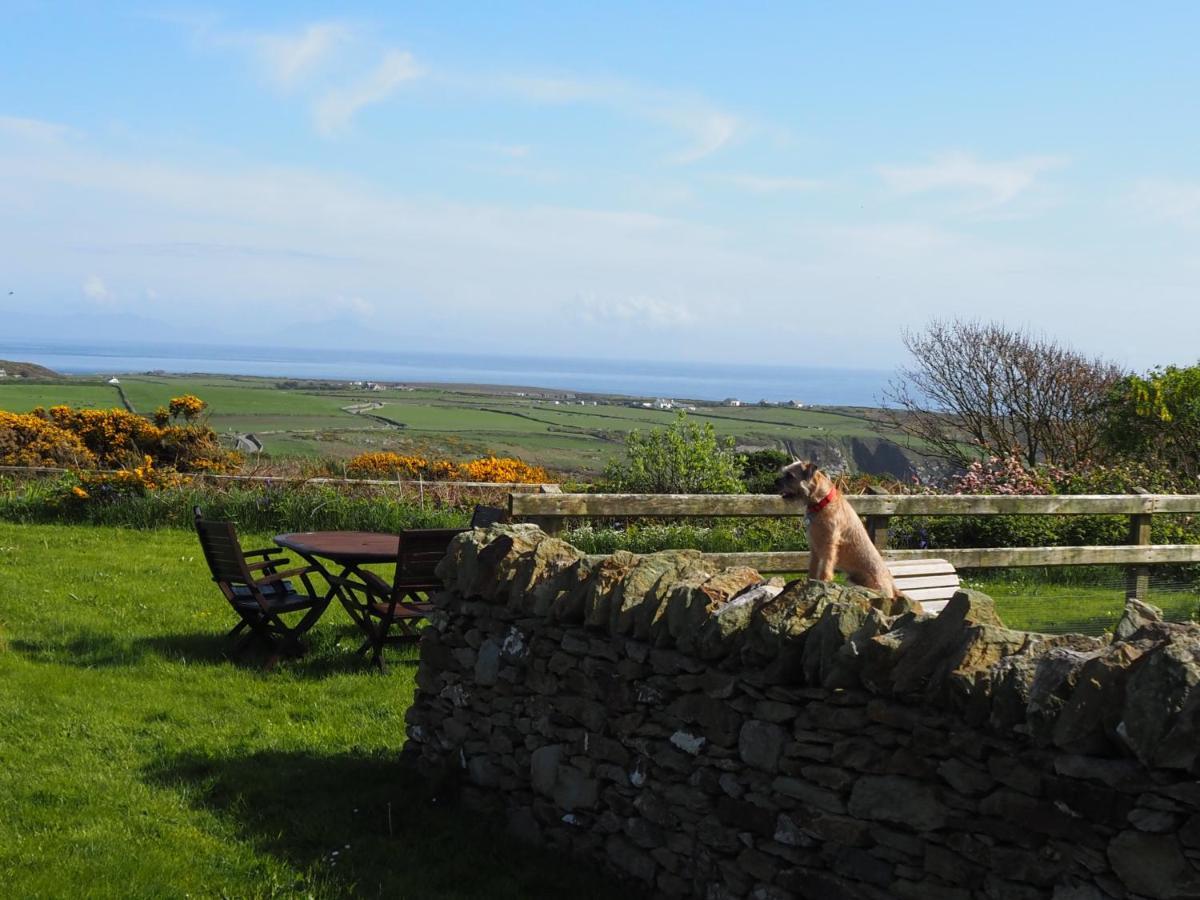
810 470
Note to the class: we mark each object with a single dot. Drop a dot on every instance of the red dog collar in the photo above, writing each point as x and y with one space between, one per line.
814 508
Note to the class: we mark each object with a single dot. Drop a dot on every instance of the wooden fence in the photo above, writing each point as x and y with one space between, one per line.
550 510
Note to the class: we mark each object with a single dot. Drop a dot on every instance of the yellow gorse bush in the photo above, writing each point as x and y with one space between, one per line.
491 468
30 440
188 407
138 481
118 439
499 468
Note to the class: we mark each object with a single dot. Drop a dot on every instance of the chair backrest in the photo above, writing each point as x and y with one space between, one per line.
421 549
488 515
931 581
222 551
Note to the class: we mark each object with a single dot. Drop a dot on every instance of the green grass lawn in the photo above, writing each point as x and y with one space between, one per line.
1028 602
136 761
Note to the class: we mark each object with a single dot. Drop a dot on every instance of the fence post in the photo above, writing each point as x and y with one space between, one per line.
552 525
877 526
1137 579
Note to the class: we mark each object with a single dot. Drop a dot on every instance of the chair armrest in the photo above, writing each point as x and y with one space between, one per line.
266 551
267 564
287 573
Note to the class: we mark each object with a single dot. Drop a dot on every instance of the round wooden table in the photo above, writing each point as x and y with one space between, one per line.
346 548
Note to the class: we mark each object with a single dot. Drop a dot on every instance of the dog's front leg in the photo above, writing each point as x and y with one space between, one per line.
820 567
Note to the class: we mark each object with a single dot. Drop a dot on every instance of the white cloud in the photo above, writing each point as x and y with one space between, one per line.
767 184
707 128
34 130
996 183
636 310
335 109
96 290
1167 200
289 57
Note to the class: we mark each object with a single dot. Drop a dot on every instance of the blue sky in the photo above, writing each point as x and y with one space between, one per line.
784 183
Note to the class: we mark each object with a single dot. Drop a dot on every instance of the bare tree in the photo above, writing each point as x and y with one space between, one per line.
984 387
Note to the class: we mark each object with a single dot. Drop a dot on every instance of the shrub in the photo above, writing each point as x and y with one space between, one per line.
489 468
386 465
760 469
1157 416
119 439
683 458
30 440
500 469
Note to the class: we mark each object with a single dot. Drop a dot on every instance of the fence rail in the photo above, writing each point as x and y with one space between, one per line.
551 510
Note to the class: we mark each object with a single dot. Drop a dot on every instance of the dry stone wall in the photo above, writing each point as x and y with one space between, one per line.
707 733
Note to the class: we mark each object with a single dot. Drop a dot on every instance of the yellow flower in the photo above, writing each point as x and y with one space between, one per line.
79 492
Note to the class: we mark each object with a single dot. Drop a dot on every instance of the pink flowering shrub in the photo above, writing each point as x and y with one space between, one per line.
1006 475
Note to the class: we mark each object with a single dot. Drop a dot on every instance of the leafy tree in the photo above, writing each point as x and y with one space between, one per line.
761 468
1156 418
984 389
683 458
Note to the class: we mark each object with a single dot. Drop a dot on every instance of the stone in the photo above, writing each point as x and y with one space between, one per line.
543 768
745 816
487 663
808 794
640 587
551 569
1157 821
964 778
1137 615
573 789
1152 865
689 743
688 609
761 743
628 859
1015 774
1087 723
789 833
723 632
1155 693
829 634
894 798
859 865
597 592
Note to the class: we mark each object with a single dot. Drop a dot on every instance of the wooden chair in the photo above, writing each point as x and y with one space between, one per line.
378 607
931 581
261 592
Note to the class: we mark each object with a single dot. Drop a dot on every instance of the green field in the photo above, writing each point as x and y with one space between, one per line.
137 762
302 420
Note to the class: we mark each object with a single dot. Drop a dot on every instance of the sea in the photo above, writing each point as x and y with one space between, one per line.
810 385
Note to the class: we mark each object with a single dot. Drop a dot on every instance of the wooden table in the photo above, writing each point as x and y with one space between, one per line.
346 548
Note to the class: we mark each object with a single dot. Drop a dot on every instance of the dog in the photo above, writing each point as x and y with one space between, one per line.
837 539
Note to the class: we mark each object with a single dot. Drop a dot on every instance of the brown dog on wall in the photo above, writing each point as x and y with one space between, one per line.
837 539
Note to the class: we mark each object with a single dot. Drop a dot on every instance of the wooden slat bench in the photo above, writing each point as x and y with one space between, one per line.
930 581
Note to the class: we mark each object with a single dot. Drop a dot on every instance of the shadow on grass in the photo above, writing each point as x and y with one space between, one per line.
367 826
328 653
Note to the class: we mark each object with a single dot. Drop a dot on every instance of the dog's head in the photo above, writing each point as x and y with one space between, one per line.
798 480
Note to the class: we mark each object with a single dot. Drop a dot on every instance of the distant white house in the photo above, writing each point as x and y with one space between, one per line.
795 404
3 374
114 380
663 403
248 443
732 401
